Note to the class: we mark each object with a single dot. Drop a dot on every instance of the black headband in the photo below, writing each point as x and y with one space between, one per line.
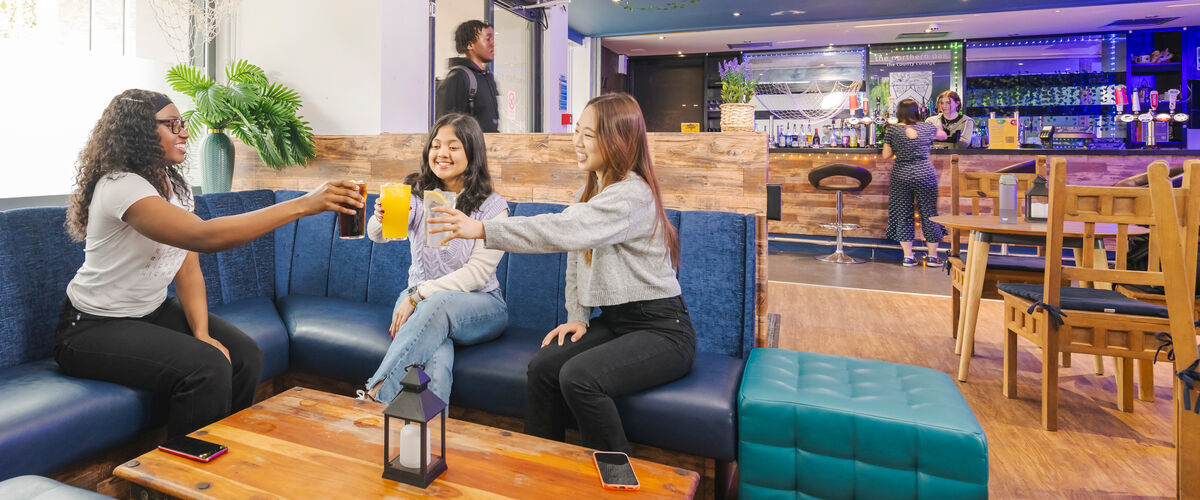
157 100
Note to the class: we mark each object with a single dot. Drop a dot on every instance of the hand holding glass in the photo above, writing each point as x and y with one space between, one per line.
436 198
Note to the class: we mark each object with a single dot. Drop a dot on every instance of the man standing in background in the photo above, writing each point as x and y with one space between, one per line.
469 87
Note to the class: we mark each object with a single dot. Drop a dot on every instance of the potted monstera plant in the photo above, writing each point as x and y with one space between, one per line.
737 88
251 108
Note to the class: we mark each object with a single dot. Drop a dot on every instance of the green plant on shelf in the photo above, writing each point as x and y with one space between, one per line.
737 81
259 113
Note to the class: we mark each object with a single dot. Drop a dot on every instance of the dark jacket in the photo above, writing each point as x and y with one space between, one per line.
452 93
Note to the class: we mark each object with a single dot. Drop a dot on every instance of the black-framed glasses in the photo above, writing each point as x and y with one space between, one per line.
177 125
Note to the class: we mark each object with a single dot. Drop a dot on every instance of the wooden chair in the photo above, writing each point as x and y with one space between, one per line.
1154 295
973 188
1094 320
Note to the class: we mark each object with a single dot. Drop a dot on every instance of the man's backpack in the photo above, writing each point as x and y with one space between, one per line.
471 89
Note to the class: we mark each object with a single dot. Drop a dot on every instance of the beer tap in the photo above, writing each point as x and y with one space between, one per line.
1121 99
1172 98
1149 119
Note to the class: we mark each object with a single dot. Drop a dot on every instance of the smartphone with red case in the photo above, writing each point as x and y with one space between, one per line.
616 473
195 449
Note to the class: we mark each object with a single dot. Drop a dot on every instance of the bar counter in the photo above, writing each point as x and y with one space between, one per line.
805 207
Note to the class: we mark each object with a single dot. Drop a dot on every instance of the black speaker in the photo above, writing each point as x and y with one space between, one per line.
774 201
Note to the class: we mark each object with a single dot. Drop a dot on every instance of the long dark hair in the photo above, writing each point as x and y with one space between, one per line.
477 182
125 139
908 112
621 137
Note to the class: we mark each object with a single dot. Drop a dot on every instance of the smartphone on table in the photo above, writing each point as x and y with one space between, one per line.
616 473
195 449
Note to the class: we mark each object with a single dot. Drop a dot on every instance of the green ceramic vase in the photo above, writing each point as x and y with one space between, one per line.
216 168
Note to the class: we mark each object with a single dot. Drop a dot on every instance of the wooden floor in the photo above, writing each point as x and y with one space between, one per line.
1098 451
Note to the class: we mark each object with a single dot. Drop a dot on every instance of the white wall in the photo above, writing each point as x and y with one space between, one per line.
54 91
329 52
580 91
404 62
555 65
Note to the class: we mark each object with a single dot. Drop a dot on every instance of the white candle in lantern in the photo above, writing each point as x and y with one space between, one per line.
410 442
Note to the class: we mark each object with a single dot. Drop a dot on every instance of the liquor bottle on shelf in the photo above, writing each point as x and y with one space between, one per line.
816 136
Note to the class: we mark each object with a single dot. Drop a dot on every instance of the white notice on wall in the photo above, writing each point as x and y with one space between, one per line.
915 85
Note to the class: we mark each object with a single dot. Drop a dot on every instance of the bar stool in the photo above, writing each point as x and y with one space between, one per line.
852 179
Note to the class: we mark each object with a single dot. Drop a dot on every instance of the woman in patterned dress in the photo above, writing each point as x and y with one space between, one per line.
912 176
453 293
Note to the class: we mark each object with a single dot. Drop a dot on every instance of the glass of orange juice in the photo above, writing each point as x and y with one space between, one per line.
395 199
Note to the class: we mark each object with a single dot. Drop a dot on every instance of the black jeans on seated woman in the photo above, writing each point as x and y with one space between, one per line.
157 352
629 347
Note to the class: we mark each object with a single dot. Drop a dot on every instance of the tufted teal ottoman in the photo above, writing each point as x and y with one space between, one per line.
821 426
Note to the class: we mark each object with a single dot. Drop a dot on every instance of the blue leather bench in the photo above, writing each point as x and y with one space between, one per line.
320 305
822 426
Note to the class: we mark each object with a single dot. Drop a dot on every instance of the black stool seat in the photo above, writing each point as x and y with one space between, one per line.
862 175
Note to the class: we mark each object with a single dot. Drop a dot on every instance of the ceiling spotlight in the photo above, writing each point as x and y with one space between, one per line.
662 37
736 14
783 12
932 28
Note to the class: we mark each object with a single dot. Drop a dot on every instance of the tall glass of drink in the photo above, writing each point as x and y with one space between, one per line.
436 198
394 199
352 227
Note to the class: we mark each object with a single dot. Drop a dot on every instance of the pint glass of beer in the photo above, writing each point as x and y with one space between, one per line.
394 200
352 227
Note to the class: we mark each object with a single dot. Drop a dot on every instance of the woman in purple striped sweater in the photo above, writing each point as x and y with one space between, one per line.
453 294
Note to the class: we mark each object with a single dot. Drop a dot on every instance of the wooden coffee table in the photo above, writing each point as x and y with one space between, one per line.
304 443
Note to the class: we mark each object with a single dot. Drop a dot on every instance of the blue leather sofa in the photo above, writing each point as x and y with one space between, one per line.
320 305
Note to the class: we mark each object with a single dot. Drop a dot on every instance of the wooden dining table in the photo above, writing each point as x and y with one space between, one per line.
986 230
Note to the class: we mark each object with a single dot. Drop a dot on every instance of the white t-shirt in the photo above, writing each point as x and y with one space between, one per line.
124 274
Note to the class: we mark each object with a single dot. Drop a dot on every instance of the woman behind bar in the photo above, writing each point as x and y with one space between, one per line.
133 208
454 295
912 176
958 127
622 257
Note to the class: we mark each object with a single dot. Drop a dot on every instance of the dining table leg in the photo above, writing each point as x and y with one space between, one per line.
976 267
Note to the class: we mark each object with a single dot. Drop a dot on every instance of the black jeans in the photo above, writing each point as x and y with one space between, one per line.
157 352
629 347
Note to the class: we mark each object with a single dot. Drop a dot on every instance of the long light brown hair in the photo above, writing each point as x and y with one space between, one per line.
621 138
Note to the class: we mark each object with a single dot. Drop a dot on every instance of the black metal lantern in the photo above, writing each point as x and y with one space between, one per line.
1037 201
407 457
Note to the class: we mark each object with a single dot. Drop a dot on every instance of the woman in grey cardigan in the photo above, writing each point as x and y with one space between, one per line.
622 256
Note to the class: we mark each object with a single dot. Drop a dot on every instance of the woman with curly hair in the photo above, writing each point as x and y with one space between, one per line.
133 209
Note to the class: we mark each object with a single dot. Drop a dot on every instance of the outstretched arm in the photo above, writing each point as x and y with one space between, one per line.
165 223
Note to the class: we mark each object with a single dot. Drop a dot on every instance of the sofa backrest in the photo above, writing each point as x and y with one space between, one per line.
245 271
37 260
311 260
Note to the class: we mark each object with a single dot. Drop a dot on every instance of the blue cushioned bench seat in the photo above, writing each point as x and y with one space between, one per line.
820 426
317 304
1087 299
43 488
48 420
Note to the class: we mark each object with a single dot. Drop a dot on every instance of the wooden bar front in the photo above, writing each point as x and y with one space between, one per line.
804 207
722 171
